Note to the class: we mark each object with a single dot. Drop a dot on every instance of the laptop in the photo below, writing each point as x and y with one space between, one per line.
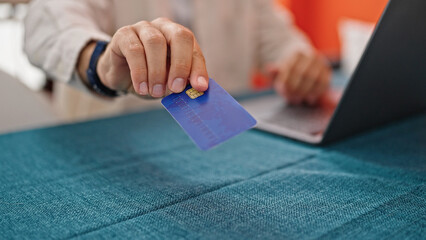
388 84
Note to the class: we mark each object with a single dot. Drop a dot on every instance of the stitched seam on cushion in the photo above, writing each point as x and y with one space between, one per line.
324 235
302 160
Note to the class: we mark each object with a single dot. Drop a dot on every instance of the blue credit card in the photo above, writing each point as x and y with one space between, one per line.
209 118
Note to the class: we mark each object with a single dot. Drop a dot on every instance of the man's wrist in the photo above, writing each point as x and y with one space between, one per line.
84 61
92 72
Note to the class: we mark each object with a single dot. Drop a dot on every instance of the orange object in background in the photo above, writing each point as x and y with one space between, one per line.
319 19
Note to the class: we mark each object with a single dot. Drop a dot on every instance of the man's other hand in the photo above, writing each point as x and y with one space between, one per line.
302 78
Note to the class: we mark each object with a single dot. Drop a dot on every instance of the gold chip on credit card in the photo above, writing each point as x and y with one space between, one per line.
193 94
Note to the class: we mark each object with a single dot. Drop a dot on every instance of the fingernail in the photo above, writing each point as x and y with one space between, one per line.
158 90
143 88
178 85
202 82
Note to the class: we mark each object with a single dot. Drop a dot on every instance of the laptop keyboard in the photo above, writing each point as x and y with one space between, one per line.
272 110
304 119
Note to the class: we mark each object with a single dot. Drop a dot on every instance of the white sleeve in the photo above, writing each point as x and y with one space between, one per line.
278 36
57 31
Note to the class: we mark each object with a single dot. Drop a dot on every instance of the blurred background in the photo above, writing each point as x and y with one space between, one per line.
339 29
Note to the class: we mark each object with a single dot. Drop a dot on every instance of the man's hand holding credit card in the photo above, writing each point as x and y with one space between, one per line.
209 118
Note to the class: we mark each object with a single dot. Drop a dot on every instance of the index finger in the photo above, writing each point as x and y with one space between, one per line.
199 77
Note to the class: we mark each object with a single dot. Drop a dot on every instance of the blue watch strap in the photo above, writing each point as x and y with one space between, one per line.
92 74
